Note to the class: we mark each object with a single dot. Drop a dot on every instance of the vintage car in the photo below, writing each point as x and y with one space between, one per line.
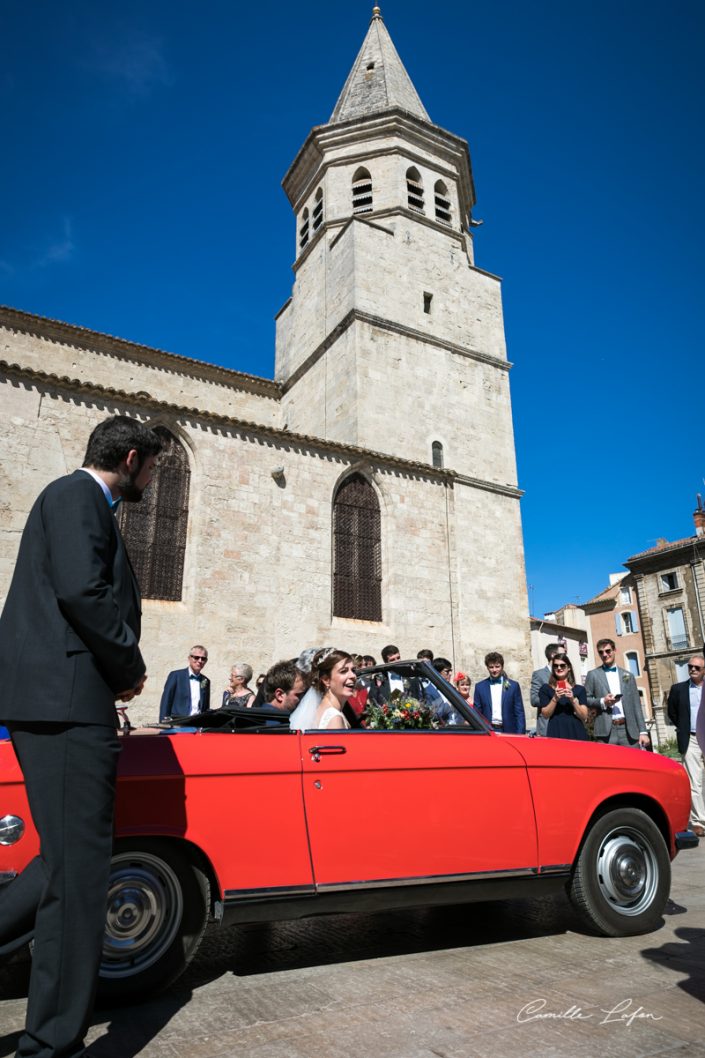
244 820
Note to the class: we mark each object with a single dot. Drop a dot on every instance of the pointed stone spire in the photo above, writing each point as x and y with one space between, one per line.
378 80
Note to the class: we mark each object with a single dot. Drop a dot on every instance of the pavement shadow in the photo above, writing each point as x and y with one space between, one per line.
686 956
269 947
243 951
126 1035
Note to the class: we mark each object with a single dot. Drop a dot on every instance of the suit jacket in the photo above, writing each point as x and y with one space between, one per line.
70 628
596 687
176 696
538 678
381 692
678 708
513 717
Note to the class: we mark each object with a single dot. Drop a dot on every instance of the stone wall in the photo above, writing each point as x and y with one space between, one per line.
257 577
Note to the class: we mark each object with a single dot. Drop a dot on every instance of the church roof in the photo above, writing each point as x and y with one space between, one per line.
378 80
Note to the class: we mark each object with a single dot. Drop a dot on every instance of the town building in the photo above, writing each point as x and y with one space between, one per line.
670 587
368 493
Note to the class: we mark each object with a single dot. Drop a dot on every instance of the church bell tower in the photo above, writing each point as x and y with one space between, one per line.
393 339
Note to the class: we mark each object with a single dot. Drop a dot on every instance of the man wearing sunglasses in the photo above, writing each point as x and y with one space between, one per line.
187 691
683 705
613 693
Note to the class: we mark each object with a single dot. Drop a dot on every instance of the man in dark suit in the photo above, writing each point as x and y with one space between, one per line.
612 692
385 684
499 699
683 707
187 691
69 639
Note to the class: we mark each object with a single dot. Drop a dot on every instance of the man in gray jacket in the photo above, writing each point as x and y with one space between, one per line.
538 678
613 693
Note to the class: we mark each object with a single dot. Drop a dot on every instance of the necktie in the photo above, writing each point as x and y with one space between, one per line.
613 669
193 676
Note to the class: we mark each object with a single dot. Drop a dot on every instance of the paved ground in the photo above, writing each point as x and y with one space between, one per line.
485 981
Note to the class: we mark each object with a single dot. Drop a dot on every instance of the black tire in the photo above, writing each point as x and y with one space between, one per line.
622 876
158 905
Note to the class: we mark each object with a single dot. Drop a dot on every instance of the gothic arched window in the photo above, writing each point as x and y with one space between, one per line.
362 191
357 551
414 190
318 210
154 529
442 202
437 455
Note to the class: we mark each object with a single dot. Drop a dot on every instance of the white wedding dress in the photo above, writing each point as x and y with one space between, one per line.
303 717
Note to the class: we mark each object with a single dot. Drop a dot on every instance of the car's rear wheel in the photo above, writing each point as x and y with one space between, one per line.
622 877
157 912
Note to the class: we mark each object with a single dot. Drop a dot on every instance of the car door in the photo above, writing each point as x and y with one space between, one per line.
384 805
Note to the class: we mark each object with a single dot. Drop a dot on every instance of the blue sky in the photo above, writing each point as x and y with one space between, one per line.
132 207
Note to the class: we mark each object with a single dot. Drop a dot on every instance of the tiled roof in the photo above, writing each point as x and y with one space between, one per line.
666 545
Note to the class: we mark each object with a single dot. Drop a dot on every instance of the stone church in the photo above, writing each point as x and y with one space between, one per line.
368 493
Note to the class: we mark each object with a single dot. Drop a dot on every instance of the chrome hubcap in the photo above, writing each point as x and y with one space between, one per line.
145 907
627 871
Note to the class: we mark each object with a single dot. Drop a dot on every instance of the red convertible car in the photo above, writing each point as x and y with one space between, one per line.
244 820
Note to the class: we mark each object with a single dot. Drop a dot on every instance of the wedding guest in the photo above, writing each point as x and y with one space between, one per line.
538 678
563 702
499 699
284 686
463 684
187 691
239 695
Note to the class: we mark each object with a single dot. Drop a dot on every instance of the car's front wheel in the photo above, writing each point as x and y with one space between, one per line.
622 877
158 902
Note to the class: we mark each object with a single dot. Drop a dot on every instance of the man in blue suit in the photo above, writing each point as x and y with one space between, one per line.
187 691
499 698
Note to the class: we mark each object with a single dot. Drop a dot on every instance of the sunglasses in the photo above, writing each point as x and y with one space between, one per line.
197 657
695 668
560 665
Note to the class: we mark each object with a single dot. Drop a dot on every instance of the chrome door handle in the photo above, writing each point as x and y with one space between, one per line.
331 751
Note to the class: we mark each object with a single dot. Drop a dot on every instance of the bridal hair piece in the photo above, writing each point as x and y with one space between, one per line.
323 664
306 658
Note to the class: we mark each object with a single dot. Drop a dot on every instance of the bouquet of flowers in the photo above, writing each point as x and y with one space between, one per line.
399 713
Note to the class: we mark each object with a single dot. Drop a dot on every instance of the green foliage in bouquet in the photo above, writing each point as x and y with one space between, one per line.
400 713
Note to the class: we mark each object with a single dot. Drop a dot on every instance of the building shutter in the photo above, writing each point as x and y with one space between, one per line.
357 551
154 530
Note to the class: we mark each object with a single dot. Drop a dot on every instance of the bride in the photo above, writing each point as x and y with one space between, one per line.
333 682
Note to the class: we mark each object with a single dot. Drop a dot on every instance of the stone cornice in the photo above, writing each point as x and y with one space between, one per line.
156 409
96 341
394 328
318 171
324 138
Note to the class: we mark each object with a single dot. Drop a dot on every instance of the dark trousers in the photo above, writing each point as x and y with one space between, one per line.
69 772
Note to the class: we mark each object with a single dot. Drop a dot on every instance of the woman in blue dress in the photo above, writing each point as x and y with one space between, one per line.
563 702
